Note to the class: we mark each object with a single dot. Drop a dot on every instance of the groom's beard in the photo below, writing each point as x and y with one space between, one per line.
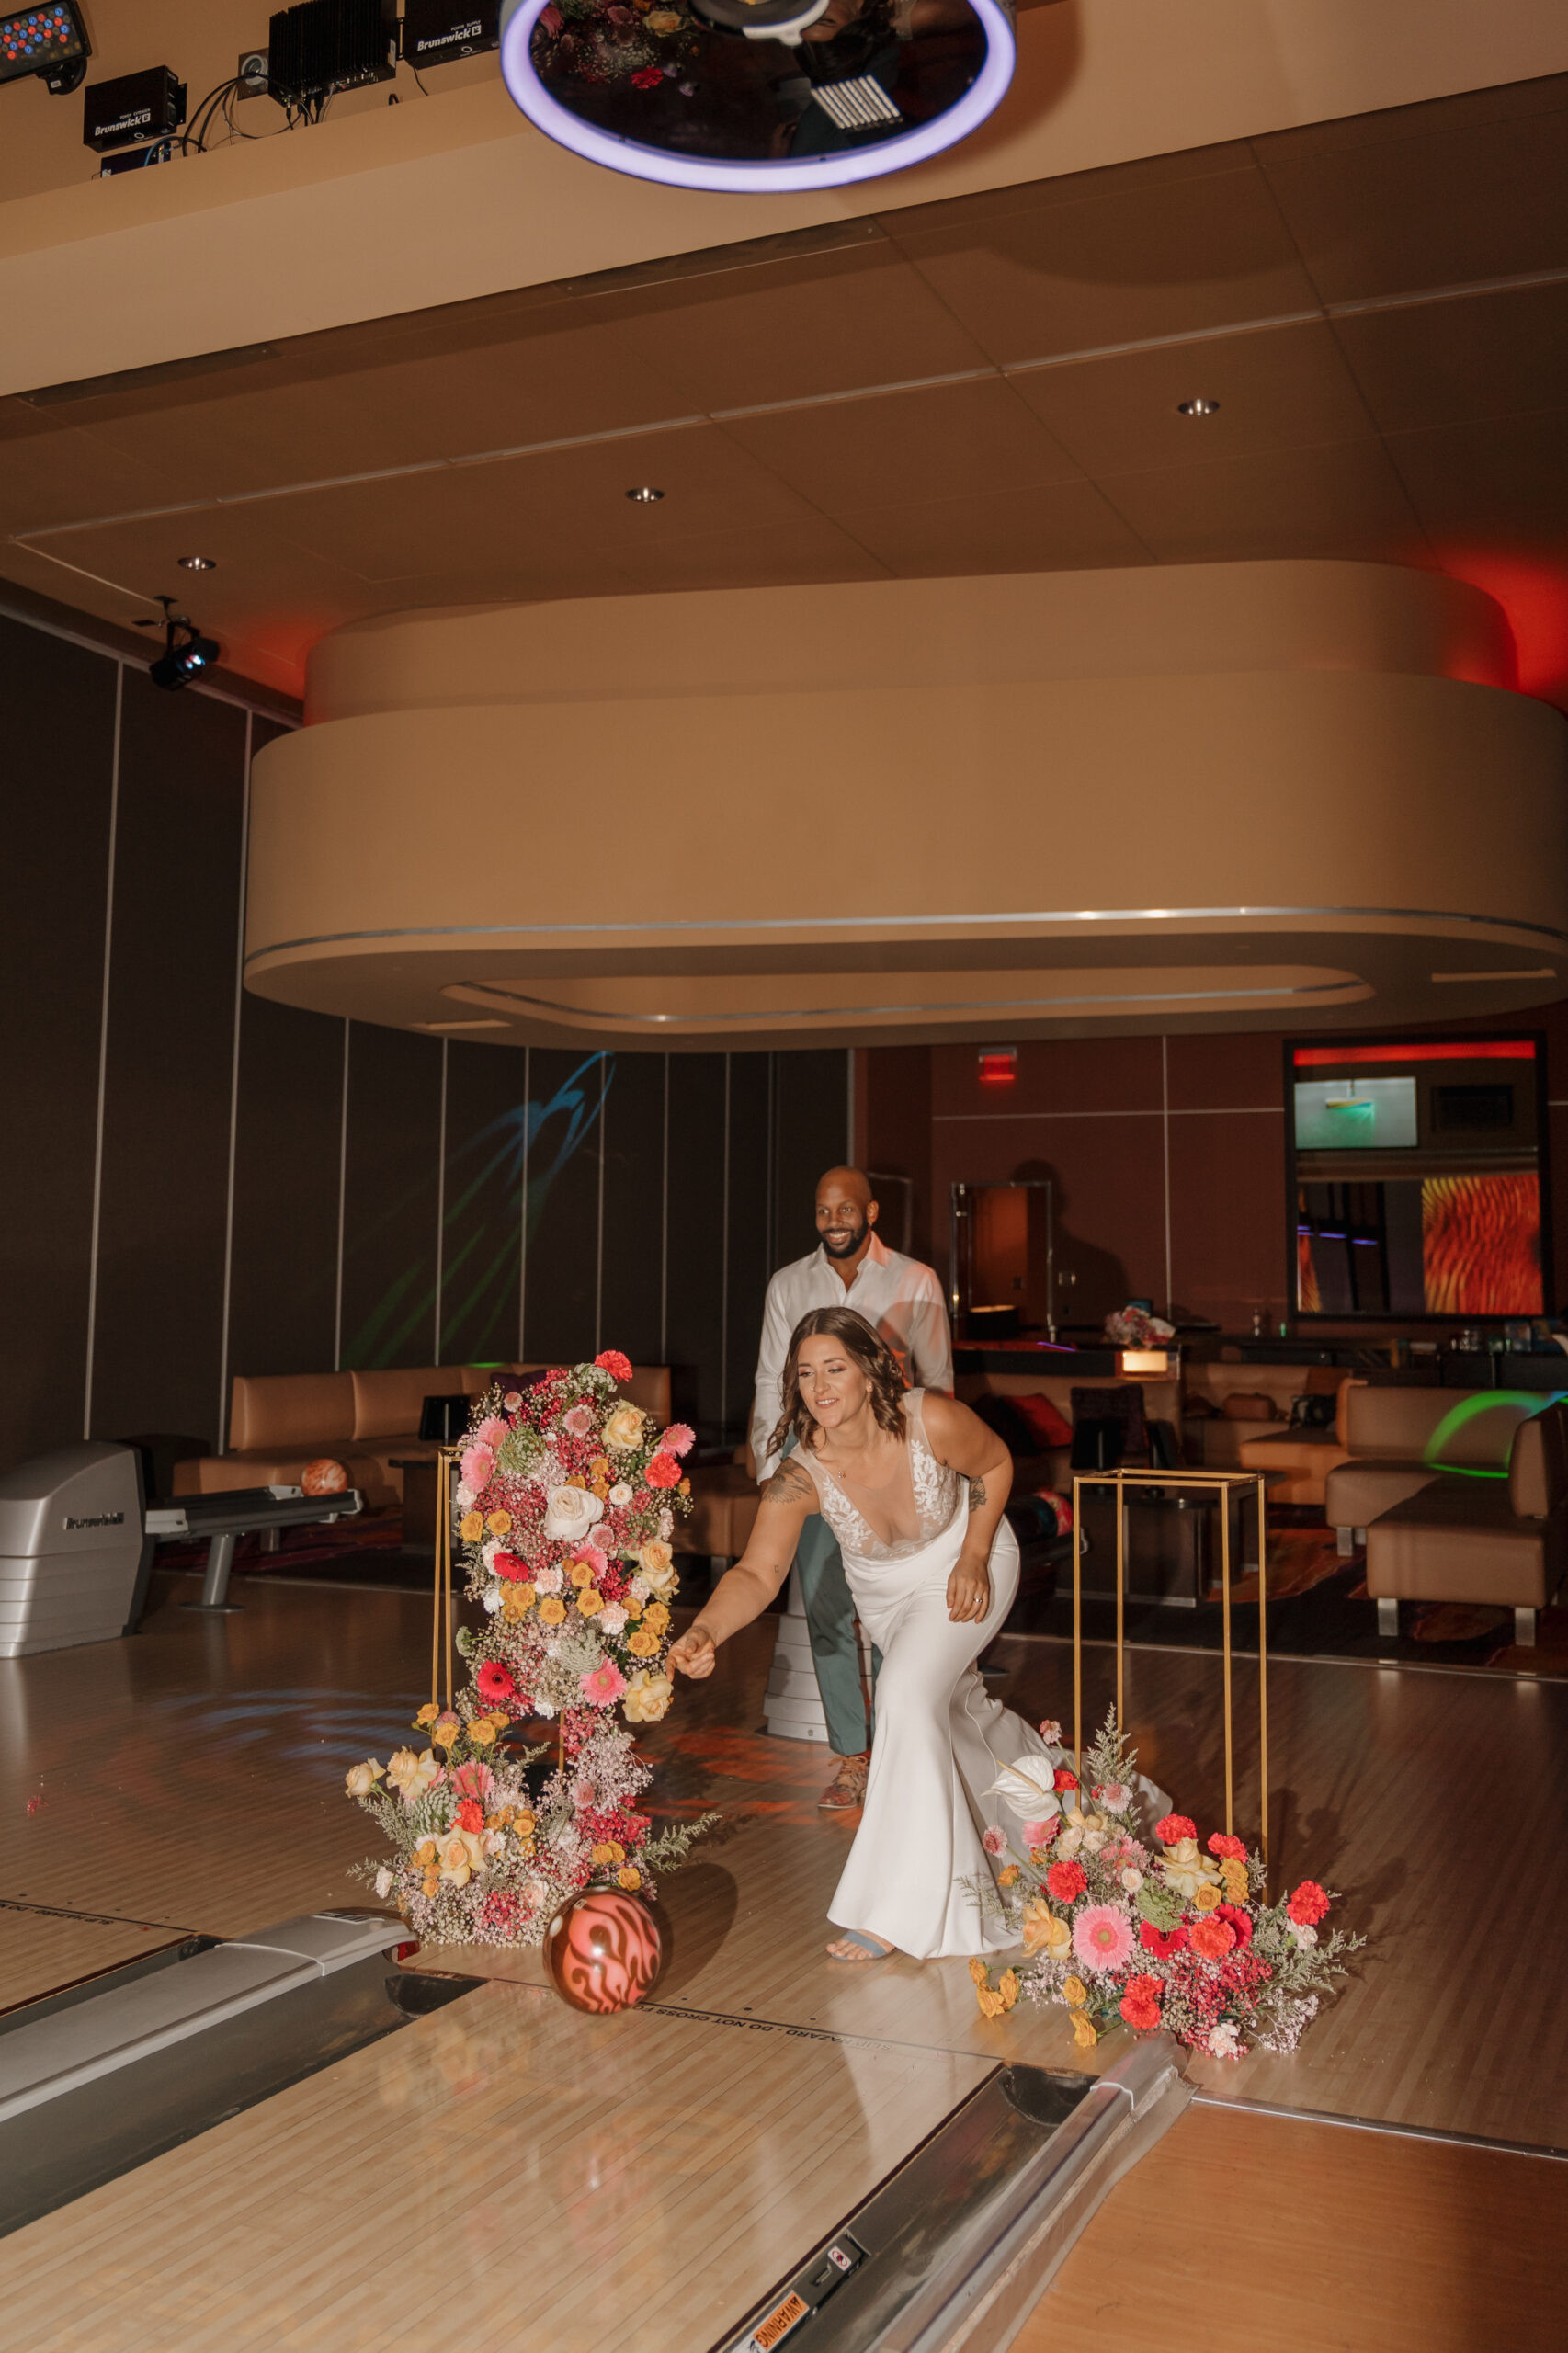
845 1249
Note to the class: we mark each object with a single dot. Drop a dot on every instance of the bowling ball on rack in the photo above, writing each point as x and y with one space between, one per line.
604 1950
323 1477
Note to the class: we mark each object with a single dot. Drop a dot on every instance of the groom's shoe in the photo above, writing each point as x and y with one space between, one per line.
847 1788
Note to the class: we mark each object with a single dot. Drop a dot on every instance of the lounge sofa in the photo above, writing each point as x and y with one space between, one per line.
1502 1541
1399 1441
367 1421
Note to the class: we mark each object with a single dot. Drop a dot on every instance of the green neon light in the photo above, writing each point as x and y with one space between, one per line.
1466 1410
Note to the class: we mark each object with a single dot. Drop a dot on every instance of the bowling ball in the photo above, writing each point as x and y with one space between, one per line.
604 1951
323 1477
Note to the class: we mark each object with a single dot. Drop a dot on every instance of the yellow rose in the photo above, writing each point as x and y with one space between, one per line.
607 1851
1075 1993
361 1779
633 1608
590 1603
1008 1878
432 1884
459 1854
629 1877
1186 1870
656 1617
523 1823
427 1714
991 2005
1043 1932
576 1481
1007 1986
517 1600
647 1697
411 1776
424 1854
1083 2033
644 1644
979 1972
624 1431
580 1573
1206 1900
471 1528
499 1523
1234 1871
662 20
551 1611
481 1732
447 1730
657 1562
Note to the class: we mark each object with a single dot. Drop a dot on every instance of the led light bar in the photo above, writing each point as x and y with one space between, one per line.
42 40
673 98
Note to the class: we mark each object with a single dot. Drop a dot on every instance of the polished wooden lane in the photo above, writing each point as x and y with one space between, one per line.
503 2174
1248 2234
41 1950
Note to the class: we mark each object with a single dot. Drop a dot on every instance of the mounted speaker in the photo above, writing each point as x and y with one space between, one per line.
321 46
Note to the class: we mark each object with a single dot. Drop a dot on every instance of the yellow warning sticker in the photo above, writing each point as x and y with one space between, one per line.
778 2324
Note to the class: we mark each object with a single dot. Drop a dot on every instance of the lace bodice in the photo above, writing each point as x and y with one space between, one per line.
917 1505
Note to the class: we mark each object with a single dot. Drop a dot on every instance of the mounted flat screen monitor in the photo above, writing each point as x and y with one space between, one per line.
1416 1178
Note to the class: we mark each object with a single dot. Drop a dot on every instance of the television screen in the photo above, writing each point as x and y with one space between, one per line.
1355 1114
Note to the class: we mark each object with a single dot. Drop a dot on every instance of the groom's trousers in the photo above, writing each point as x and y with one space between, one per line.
835 1650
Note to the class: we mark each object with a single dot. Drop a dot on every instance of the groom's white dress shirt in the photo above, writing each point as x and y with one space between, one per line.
898 1295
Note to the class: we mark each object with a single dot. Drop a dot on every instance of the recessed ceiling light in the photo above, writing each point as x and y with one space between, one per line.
199 563
645 497
1197 408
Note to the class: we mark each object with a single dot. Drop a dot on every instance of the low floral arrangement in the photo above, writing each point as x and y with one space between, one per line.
568 1495
645 42
1134 1327
1177 1938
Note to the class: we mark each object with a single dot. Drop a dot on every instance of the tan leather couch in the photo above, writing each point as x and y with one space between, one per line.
1302 1462
1486 1540
367 1421
1392 1439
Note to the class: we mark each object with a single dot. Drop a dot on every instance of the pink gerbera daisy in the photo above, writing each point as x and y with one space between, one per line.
604 1686
1101 1937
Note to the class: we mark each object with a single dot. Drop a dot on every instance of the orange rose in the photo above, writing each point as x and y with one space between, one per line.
991 2005
656 1617
642 1643
1007 1986
590 1603
1008 1878
580 1573
499 1523
629 1877
517 1600
551 1611
1083 2033
979 1972
471 1527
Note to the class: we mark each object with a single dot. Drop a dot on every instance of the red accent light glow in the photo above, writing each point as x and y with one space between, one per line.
999 1065
1462 1049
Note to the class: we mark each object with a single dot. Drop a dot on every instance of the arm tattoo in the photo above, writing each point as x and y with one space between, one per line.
788 1485
976 1494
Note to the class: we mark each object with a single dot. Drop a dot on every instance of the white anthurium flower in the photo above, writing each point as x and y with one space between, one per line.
1028 1785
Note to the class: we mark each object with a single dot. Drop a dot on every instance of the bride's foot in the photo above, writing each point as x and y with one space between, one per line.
855 1945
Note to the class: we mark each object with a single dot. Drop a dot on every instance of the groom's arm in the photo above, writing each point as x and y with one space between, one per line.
930 1342
767 1400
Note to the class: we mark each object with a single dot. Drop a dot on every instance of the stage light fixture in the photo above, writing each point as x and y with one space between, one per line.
758 96
50 42
199 563
185 652
1197 408
645 497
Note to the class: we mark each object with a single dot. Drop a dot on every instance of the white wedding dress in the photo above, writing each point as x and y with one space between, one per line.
917 1858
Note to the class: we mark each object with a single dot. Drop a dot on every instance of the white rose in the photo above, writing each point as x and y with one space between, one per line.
360 1779
570 1513
620 1495
492 1599
383 1882
623 1429
1131 1879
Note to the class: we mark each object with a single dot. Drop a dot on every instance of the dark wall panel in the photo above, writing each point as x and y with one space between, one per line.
810 1133
1228 1216
697 1236
897 1142
56 756
482 1241
170 1017
562 1288
751 1257
389 1256
634 1206
288 1141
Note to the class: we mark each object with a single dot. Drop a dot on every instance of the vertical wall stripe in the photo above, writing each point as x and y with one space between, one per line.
234 1101
769 1206
599 1242
441 1198
103 1058
724 1280
849 1107
523 1205
665 1231
342 1204
1166 1138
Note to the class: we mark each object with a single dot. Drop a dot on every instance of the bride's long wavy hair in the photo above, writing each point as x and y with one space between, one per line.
865 1346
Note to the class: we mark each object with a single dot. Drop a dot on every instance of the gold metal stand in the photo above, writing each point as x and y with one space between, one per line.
1221 1481
441 1614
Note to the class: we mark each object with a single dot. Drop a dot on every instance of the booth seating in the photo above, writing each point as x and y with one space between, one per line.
1302 1458
1502 1541
367 1421
1398 1440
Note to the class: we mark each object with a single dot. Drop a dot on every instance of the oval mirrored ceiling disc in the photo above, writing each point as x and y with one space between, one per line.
757 95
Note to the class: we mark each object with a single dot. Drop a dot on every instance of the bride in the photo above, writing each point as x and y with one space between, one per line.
913 1485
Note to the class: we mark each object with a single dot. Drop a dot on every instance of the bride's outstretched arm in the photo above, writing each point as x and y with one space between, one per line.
744 1592
961 1440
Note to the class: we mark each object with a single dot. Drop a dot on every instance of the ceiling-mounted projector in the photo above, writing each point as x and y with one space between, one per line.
756 95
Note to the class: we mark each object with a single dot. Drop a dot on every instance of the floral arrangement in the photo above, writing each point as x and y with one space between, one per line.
1177 1938
644 41
568 1495
1134 1327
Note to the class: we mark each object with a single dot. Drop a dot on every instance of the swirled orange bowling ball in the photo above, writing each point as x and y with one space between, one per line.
604 1951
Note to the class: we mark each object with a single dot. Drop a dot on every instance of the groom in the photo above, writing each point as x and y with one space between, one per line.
849 1267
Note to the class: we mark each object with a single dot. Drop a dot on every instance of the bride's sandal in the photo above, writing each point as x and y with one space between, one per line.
869 1949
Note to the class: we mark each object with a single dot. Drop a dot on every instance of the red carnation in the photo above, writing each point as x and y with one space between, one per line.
494 1684
1211 1938
1240 1921
1066 1780
1163 1945
649 79
1308 1905
1222 1843
663 1471
611 1360
471 1814
1140 2004
1066 1880
1174 1828
507 1566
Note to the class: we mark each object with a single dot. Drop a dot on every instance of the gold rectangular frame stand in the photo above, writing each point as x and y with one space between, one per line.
1223 1481
441 1614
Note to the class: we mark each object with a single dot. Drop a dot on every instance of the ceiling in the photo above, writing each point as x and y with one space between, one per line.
989 384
